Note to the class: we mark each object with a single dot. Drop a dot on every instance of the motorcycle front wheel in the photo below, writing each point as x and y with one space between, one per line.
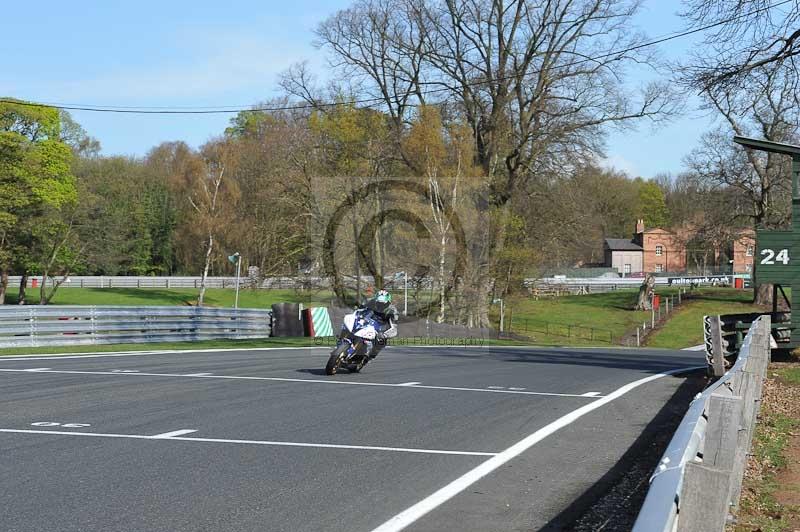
335 360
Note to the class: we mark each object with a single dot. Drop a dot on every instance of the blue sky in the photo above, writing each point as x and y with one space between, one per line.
203 53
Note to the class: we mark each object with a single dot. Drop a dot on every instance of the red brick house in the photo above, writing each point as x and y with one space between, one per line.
659 250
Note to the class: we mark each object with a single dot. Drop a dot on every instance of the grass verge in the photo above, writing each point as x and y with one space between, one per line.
770 500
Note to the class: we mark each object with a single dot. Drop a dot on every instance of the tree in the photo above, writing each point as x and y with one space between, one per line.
213 197
749 38
653 205
517 73
36 183
765 107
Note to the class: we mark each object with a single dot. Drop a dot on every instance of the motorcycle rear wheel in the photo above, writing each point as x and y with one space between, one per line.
335 360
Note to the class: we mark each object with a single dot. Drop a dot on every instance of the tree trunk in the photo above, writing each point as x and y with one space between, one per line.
205 271
762 295
3 286
23 284
442 257
43 289
645 300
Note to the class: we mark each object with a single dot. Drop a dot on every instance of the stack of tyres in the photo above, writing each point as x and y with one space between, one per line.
286 320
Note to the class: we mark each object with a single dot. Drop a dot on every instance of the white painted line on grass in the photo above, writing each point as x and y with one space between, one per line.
436 499
163 437
172 434
591 394
700 347
305 381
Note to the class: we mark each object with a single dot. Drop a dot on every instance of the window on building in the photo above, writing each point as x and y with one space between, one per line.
659 250
659 268
748 268
749 251
627 268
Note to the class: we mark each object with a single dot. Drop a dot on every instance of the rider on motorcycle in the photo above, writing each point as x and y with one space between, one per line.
387 315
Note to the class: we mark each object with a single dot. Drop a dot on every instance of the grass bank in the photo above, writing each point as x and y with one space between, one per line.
685 325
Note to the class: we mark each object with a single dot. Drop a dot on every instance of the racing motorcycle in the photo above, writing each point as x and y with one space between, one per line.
354 342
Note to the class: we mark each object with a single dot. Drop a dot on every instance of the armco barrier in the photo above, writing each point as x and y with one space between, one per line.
35 326
699 477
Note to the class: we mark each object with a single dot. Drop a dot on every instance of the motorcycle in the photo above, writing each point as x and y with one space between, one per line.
354 343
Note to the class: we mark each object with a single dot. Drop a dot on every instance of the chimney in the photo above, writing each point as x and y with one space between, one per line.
639 226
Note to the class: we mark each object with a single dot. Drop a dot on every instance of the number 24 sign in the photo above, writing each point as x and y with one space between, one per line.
770 257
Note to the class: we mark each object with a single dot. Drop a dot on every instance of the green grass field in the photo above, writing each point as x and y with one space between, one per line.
685 326
215 297
574 317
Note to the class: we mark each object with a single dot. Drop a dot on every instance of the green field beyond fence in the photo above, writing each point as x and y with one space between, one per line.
595 319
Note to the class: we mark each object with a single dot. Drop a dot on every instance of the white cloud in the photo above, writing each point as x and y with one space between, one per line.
618 162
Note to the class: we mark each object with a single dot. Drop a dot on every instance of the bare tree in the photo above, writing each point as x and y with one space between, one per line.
212 201
535 82
749 36
766 108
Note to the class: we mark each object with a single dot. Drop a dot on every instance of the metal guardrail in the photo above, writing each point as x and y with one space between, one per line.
36 326
698 479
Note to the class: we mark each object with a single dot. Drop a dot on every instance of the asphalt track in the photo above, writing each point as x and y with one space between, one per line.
469 439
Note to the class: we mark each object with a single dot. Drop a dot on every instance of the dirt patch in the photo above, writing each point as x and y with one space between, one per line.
788 479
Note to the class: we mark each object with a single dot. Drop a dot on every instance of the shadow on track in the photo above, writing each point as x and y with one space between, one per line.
650 361
312 371
613 502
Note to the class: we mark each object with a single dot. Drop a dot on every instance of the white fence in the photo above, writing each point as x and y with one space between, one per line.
35 326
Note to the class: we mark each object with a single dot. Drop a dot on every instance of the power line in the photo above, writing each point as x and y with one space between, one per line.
224 109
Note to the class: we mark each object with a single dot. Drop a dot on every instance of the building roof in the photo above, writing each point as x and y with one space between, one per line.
622 244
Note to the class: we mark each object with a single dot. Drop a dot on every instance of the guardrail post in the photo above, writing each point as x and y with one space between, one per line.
32 315
704 498
93 318
717 357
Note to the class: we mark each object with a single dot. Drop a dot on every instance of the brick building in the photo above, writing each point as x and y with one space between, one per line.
659 250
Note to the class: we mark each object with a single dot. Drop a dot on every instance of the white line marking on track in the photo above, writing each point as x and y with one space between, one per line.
496 387
36 369
198 374
591 394
516 389
413 383
436 499
283 379
162 437
174 433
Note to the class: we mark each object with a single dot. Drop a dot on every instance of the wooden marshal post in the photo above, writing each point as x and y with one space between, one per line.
778 252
